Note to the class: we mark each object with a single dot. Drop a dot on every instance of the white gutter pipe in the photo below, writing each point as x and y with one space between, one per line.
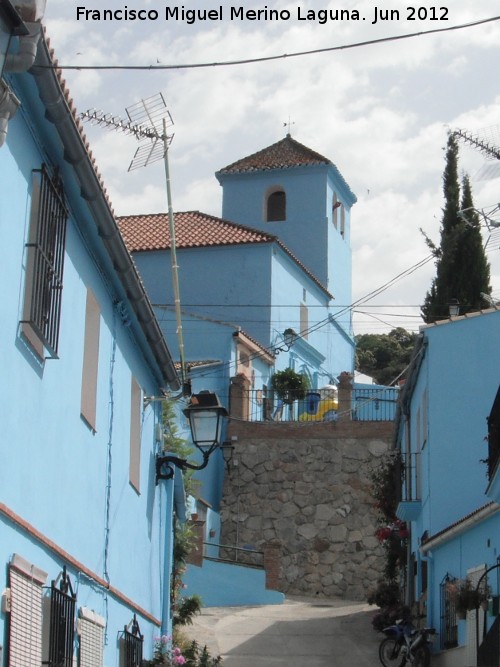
9 104
23 60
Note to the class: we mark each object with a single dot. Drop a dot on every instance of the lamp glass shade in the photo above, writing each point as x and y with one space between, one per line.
205 426
227 451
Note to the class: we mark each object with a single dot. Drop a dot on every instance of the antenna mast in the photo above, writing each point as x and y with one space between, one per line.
148 121
477 142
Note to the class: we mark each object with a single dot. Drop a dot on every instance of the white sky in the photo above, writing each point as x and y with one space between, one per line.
379 112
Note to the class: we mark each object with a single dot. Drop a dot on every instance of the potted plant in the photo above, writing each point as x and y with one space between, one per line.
290 385
467 596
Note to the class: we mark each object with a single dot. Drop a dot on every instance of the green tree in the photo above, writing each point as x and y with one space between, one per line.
462 271
384 356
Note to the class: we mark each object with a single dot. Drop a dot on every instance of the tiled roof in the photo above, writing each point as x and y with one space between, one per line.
282 155
60 109
75 115
192 230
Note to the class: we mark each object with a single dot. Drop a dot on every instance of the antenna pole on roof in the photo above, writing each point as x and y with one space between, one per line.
147 122
173 256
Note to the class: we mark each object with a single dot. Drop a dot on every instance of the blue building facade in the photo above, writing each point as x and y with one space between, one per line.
449 494
278 259
86 535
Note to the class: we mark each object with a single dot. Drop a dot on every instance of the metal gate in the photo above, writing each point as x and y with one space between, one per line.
449 629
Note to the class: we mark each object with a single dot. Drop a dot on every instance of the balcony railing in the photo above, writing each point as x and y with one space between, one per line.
262 405
376 405
246 555
411 483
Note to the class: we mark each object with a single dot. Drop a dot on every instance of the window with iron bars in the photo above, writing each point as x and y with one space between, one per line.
449 629
45 264
62 623
131 645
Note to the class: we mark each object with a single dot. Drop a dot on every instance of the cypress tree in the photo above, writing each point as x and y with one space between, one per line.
462 271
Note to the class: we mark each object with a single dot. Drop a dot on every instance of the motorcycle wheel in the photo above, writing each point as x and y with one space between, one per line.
422 657
389 653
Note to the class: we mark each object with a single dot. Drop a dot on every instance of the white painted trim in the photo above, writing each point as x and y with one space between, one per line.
461 527
92 616
29 570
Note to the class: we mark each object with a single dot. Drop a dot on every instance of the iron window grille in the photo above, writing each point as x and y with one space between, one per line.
62 623
132 643
449 630
46 244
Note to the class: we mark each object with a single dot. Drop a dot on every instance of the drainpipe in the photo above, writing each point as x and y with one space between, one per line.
176 500
9 104
23 60
16 63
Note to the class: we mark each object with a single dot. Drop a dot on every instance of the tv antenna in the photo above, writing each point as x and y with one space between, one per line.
487 141
148 121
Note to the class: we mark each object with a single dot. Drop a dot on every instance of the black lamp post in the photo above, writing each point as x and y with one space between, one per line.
205 414
227 449
288 339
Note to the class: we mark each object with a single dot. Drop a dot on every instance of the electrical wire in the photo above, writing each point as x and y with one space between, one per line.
296 54
331 318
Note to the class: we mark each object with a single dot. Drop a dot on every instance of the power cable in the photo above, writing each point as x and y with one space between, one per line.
271 349
296 54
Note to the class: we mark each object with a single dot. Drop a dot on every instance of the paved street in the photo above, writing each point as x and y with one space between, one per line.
300 633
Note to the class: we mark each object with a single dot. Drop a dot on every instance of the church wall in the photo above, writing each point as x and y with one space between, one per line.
304 231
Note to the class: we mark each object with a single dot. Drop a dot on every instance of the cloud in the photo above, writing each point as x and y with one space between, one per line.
381 113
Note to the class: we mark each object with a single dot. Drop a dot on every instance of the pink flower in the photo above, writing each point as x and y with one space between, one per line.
179 660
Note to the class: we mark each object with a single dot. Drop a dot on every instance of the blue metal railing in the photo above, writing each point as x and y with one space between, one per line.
368 404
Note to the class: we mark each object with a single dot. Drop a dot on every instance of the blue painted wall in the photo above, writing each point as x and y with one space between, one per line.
472 548
227 585
452 392
70 483
308 230
463 376
257 287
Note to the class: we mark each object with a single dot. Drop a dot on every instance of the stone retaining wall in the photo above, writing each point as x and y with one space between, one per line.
306 488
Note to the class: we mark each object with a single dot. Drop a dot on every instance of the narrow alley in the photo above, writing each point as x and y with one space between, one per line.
302 632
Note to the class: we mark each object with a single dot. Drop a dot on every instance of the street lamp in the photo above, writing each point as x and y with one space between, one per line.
288 339
454 308
227 449
205 414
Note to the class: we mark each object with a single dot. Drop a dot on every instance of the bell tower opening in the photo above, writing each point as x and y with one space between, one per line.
276 205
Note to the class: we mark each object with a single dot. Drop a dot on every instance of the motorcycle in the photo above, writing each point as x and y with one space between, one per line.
404 644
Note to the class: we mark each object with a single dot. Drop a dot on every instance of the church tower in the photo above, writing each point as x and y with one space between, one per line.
299 196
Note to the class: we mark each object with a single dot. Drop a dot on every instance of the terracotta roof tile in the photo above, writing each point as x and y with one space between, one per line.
193 229
282 155
75 116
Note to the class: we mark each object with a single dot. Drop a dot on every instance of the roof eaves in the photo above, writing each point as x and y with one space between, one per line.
62 113
460 318
460 526
304 268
